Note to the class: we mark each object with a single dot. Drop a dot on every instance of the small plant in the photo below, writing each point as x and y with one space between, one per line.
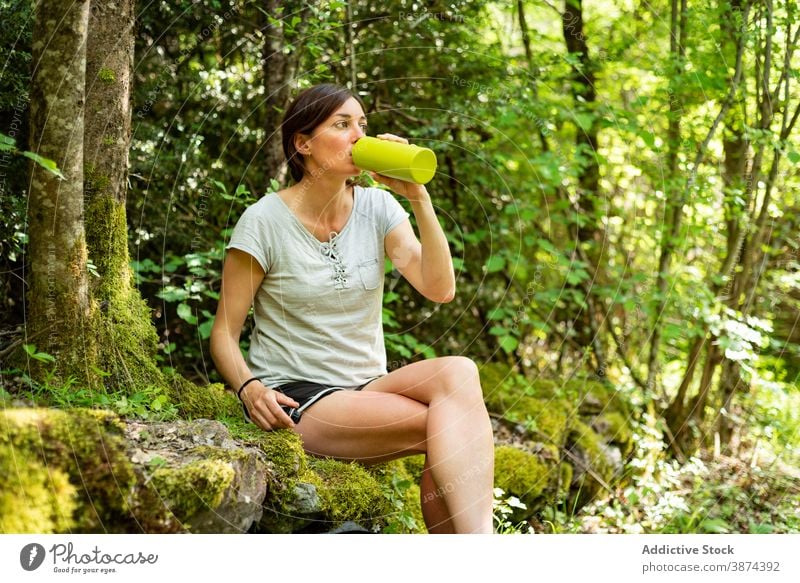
504 507
150 404
401 521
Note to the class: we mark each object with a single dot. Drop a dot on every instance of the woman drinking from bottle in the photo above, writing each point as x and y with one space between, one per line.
310 259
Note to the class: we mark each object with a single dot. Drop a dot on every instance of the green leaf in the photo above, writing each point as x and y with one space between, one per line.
45 163
496 314
715 525
185 313
7 143
793 156
171 293
40 356
205 329
508 343
584 120
498 331
575 276
495 263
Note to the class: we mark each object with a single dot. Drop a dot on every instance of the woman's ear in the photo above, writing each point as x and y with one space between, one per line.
302 143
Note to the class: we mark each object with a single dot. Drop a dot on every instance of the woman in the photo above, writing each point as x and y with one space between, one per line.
310 259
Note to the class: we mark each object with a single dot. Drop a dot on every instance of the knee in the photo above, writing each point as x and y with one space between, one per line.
460 376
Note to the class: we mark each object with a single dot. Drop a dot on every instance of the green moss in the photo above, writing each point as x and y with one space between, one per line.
565 480
107 76
86 446
545 417
590 443
283 448
520 474
349 492
618 431
193 488
583 439
34 498
391 476
414 464
206 402
596 397
127 339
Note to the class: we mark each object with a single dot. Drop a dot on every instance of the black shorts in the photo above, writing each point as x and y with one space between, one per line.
306 394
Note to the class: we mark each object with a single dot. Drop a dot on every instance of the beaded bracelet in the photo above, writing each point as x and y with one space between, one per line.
239 394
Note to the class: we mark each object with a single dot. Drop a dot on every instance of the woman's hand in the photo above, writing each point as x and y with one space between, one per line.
410 190
264 406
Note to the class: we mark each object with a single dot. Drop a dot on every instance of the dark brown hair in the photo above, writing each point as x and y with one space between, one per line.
309 109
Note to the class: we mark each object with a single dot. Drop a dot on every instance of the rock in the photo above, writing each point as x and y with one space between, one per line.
207 482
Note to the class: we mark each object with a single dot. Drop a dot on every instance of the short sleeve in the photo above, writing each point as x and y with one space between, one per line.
394 213
250 235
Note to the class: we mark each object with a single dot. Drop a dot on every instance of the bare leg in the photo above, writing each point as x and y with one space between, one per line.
374 428
434 507
432 406
460 444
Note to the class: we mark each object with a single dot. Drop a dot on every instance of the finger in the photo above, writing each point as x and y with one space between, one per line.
281 418
285 399
260 420
267 418
393 138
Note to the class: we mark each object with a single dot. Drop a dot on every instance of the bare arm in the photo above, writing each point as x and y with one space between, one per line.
428 265
241 278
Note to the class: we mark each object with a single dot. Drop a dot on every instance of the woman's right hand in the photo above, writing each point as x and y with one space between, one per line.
264 406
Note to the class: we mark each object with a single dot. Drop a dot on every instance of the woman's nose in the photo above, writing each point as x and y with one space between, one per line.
359 133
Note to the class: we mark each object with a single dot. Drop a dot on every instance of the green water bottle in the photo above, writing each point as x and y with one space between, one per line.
402 161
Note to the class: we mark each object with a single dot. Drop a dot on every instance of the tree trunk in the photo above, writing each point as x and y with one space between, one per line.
60 307
128 339
674 207
279 73
586 233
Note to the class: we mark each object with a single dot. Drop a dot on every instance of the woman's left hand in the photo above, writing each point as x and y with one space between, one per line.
411 190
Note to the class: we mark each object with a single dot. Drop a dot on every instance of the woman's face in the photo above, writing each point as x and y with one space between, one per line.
328 148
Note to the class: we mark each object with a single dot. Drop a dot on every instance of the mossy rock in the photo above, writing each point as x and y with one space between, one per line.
521 474
400 482
202 402
594 464
195 478
349 492
530 404
615 428
579 429
64 471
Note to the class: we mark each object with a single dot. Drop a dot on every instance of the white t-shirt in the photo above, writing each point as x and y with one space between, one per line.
318 312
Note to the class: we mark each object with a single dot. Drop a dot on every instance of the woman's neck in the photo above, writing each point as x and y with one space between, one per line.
325 199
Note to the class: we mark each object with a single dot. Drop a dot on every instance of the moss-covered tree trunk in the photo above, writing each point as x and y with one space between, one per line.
60 306
128 339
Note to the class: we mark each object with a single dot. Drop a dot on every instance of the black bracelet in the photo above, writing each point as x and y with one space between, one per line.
239 394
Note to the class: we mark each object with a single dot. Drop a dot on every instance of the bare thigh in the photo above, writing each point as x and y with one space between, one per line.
423 381
370 427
